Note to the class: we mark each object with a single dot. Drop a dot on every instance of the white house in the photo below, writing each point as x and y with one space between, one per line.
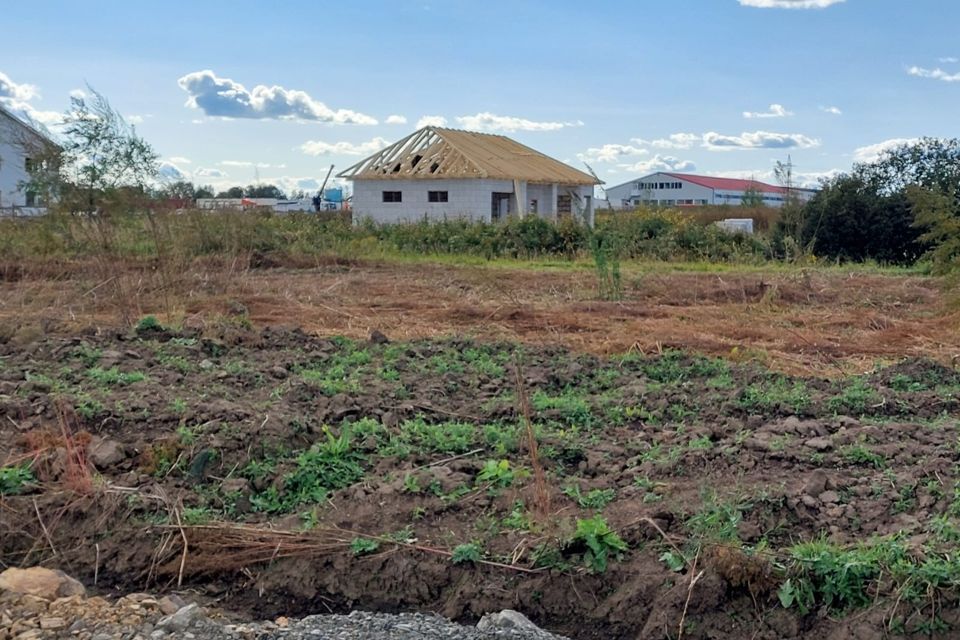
20 146
437 173
681 189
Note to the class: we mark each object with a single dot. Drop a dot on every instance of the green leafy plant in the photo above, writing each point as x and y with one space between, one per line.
15 479
468 552
497 473
114 377
148 323
593 499
363 546
601 543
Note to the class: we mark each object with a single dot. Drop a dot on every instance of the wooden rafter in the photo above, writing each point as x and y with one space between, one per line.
435 153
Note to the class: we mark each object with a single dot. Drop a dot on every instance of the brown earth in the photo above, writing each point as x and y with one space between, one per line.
807 321
192 457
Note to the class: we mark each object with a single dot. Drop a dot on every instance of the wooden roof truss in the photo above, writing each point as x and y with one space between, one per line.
424 154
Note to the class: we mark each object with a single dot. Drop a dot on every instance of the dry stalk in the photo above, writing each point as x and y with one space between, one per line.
694 578
541 490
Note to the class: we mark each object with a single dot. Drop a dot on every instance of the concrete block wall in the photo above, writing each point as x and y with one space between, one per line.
467 198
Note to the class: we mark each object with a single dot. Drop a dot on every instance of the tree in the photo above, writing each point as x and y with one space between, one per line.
850 219
752 197
203 191
105 164
264 191
179 190
232 192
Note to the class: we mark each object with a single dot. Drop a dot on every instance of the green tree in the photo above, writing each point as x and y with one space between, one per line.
232 192
203 191
105 165
752 197
850 219
264 191
179 190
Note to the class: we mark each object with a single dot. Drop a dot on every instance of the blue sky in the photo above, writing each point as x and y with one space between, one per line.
226 91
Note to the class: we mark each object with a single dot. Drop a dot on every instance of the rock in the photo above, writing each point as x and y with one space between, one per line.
49 584
181 620
820 444
830 497
51 623
507 619
377 337
105 453
816 483
809 501
235 485
205 364
171 604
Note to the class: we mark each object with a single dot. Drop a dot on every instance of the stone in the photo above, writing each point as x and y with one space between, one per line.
830 497
48 584
377 337
820 444
171 604
181 620
235 485
507 619
816 483
809 501
52 623
105 453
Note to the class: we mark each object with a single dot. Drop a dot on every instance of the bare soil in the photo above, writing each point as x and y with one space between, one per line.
246 463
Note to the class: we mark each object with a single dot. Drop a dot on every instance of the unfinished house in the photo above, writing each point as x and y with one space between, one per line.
437 173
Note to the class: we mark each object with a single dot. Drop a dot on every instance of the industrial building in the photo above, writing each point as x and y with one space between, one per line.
685 190
436 173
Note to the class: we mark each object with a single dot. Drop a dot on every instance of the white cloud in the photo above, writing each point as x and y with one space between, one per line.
790 4
13 91
935 74
872 152
395 119
775 111
487 121
950 60
78 93
204 172
16 96
757 140
659 163
431 121
247 163
610 152
223 97
134 119
673 141
832 110
170 171
320 148
180 160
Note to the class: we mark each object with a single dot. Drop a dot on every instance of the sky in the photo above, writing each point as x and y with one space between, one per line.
233 92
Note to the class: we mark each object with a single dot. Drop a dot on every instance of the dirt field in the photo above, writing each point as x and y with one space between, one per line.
807 321
788 489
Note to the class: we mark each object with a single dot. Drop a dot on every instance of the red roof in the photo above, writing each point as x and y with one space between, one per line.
728 184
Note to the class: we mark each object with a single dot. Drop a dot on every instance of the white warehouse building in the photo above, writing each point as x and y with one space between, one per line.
685 190
21 145
438 173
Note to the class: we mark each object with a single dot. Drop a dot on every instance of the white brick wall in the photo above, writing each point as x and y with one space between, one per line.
466 199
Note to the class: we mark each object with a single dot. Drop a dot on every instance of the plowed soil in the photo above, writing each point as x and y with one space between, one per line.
281 472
